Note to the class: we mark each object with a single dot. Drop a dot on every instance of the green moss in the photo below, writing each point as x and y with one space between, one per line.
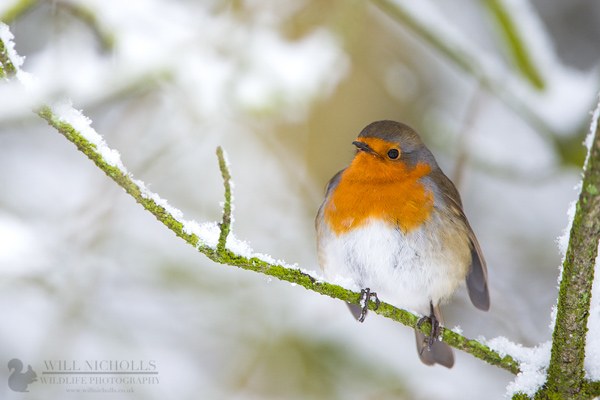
225 256
565 373
591 189
8 69
226 223
338 292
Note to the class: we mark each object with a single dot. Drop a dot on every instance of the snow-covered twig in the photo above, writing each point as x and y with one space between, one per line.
565 373
8 57
223 254
219 244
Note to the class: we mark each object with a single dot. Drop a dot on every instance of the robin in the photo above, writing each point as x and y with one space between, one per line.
393 225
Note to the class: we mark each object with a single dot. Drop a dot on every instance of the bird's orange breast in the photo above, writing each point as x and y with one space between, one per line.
372 188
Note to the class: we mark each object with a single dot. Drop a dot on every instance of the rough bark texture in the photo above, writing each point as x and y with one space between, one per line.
566 374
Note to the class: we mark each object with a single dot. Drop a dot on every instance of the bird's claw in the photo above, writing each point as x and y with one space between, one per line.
365 297
433 334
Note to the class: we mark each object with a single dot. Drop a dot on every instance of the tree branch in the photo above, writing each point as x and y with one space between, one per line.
223 255
7 68
105 159
565 373
226 223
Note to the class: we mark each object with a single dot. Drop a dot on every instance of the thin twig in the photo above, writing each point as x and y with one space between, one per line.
221 254
224 256
226 223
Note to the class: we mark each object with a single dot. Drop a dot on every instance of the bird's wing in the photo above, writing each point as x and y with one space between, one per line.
477 281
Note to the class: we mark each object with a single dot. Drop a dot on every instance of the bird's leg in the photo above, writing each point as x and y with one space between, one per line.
365 297
435 329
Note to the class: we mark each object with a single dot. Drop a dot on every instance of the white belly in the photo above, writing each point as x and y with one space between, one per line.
407 271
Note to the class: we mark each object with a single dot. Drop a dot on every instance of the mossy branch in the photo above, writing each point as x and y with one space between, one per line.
566 373
223 255
226 223
7 68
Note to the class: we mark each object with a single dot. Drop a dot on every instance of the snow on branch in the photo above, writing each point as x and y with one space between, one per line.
566 374
217 243
10 61
213 239
577 315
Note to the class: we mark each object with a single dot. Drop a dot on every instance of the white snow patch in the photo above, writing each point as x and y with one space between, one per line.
457 329
241 247
7 38
554 310
533 363
345 282
17 61
65 112
563 240
208 232
147 193
318 278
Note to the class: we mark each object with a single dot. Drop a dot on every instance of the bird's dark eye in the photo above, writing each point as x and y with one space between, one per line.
393 154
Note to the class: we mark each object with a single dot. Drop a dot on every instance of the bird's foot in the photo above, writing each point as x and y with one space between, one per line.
365 297
433 334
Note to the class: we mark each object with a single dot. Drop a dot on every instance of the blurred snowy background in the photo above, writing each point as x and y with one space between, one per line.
500 90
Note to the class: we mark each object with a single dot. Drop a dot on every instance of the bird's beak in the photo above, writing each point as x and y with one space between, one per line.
362 146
